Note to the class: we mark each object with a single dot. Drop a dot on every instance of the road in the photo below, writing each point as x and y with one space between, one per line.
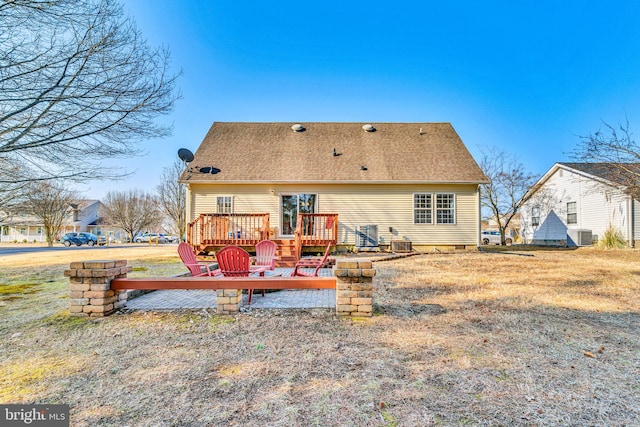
17 249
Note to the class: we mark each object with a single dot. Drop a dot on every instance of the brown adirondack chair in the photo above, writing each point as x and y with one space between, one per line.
190 261
302 266
234 262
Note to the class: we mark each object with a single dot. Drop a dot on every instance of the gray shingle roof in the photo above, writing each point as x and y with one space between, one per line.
394 152
608 171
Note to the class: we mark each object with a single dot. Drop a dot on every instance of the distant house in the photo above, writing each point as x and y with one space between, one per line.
353 185
512 230
83 215
22 228
575 203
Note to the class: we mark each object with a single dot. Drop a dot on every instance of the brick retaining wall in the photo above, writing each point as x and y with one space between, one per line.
91 294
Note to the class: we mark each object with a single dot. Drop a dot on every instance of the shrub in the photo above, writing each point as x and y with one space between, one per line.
612 239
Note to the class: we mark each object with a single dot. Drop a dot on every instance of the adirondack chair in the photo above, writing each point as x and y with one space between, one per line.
265 255
190 261
234 262
307 263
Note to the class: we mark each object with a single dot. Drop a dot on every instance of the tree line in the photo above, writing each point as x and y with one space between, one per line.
132 211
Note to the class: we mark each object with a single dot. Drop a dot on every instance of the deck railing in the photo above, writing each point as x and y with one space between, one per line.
228 229
319 229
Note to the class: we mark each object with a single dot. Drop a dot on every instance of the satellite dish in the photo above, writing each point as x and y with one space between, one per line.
209 169
185 155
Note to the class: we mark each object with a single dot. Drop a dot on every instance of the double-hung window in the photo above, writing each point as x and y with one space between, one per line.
224 204
572 213
426 209
423 208
445 208
535 216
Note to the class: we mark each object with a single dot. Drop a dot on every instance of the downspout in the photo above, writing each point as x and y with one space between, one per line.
188 217
479 210
631 221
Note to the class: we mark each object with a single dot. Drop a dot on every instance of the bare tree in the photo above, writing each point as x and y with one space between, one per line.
78 84
51 203
173 196
507 191
133 211
10 196
615 153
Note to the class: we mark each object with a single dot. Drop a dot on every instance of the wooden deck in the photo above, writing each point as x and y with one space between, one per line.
219 230
210 232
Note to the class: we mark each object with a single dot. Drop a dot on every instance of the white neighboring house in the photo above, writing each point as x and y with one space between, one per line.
574 200
83 216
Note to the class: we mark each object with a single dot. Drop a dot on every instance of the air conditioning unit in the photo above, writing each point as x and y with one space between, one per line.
401 246
579 237
366 236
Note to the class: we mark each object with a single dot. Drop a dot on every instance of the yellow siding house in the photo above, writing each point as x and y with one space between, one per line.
378 186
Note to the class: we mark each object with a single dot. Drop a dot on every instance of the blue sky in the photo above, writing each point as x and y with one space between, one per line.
526 77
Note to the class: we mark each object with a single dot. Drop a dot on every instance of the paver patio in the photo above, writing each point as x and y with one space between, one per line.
198 299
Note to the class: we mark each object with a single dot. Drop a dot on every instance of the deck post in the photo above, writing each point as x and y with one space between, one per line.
90 287
354 287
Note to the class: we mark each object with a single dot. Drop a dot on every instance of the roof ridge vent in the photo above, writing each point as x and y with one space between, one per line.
369 128
298 128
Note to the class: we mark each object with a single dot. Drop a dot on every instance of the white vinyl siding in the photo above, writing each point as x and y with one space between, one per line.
596 204
389 206
636 221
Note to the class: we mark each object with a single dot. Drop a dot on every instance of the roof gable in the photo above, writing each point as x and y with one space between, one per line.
334 152
605 171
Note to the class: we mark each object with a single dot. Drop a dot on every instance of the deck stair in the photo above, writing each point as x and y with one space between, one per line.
286 253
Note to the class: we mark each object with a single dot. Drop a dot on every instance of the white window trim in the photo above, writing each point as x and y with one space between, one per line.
455 210
432 209
535 210
225 196
575 212
315 204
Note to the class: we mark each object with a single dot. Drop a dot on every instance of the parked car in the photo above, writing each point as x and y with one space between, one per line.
102 240
493 238
168 238
79 239
149 237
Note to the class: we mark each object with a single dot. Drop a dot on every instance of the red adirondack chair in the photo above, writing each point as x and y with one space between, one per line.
265 255
190 261
234 262
307 263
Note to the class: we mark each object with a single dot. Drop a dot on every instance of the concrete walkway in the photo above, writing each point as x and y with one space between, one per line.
199 299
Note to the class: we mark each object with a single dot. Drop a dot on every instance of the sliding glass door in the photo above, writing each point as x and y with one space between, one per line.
290 206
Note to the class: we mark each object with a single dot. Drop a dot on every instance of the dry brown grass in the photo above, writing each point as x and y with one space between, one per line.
462 339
